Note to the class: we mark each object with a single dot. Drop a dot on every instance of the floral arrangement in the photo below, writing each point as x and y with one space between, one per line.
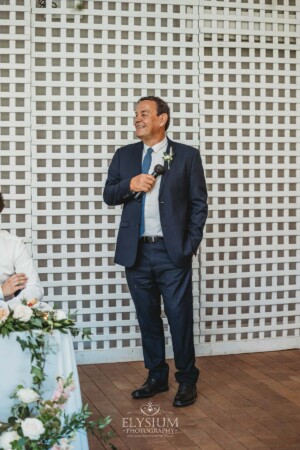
35 423
25 317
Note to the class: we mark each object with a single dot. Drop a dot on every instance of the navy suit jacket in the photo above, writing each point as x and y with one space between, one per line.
182 202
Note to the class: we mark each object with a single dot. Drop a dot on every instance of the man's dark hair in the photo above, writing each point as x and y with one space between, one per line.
161 106
2 204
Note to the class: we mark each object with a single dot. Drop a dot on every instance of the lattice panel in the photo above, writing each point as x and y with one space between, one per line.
89 69
248 105
15 170
69 82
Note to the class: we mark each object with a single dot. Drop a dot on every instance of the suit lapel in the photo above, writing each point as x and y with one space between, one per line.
168 172
137 158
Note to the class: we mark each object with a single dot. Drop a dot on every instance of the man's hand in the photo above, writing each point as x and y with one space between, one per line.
143 182
14 283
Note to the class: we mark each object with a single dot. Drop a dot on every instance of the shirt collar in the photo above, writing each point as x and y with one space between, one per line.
157 147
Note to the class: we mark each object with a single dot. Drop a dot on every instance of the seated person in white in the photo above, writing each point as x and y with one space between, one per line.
18 276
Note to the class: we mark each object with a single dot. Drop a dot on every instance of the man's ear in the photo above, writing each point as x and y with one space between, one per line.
163 119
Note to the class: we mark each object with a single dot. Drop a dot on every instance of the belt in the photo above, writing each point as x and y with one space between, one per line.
151 239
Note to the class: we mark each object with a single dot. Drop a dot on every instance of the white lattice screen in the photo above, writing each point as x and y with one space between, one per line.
248 104
69 82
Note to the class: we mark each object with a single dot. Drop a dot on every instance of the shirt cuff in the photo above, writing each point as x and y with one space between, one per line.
1 294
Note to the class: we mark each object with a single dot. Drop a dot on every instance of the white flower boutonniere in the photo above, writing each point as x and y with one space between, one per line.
168 157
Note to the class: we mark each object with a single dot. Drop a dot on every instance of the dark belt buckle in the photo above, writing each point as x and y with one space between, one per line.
151 239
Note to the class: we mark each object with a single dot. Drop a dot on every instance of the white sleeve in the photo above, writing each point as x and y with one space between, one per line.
1 294
24 264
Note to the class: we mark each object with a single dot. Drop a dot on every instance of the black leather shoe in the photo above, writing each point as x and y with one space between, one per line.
149 388
186 395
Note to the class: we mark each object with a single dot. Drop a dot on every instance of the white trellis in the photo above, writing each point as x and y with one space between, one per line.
69 81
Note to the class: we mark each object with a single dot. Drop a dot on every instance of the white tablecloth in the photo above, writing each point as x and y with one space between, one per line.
15 370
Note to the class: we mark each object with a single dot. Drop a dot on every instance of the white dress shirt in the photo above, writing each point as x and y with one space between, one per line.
14 258
152 217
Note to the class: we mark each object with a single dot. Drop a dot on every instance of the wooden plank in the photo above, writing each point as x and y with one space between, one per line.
244 402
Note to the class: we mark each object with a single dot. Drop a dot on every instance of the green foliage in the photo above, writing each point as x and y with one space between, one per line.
79 5
44 321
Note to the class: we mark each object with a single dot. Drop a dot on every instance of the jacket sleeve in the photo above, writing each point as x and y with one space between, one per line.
198 202
116 190
23 263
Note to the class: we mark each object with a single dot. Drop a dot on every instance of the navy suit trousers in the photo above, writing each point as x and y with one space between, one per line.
153 276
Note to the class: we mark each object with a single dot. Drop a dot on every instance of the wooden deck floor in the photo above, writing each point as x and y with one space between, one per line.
245 402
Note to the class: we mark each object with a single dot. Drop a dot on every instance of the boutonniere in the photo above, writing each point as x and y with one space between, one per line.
168 157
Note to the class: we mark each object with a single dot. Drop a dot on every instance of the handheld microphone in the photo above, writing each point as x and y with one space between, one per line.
158 170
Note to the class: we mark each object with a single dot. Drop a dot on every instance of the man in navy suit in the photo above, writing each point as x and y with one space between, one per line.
157 239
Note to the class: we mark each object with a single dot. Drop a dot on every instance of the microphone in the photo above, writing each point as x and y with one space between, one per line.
158 170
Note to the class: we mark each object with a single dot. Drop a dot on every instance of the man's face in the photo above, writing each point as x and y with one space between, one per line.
149 127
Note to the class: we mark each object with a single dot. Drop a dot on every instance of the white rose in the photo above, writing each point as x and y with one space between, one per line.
32 428
23 313
32 302
60 314
27 395
4 311
7 438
